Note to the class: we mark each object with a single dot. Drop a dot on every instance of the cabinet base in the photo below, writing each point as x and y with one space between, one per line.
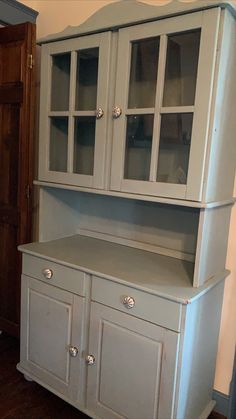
208 409
30 377
27 378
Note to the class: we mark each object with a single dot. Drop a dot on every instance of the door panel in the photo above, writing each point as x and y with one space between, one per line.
160 138
75 80
52 322
16 131
131 377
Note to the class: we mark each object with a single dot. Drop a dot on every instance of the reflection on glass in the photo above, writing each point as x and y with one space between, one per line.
86 81
181 69
58 144
138 147
60 82
143 73
174 148
84 143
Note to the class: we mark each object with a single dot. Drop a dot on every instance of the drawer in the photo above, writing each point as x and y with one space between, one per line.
146 306
63 277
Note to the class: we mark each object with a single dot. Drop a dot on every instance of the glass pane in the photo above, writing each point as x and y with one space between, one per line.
60 82
138 147
181 69
174 148
84 143
86 82
58 144
143 73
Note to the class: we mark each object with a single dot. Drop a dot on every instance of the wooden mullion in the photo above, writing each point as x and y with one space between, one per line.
84 113
140 111
158 104
70 157
176 109
56 114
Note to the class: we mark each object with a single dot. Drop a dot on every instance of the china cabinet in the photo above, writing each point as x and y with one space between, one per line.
122 295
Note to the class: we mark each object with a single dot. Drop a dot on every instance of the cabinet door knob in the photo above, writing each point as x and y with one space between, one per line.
129 302
117 111
73 351
99 113
90 359
47 273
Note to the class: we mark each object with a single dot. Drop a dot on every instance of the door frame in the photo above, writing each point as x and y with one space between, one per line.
25 180
14 12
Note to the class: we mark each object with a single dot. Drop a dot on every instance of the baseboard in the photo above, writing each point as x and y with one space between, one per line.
222 403
226 405
232 402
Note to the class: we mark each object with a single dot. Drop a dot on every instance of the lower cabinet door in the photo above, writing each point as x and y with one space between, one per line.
132 373
51 322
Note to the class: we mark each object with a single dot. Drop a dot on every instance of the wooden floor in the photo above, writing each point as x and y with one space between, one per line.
20 399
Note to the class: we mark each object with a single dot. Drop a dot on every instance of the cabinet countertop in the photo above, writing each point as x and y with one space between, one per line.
157 274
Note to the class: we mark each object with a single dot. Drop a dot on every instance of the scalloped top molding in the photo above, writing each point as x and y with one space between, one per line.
128 12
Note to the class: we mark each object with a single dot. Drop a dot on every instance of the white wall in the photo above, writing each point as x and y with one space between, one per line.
54 16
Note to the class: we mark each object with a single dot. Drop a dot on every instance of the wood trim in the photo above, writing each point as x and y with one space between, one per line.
232 397
222 403
204 91
27 118
12 12
148 198
128 13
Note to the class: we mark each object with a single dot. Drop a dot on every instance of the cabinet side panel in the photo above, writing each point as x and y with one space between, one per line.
199 354
212 243
222 152
58 214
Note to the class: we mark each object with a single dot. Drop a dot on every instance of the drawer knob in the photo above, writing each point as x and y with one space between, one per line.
47 273
73 351
129 302
117 111
90 359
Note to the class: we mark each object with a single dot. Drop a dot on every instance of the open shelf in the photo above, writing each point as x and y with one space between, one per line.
161 275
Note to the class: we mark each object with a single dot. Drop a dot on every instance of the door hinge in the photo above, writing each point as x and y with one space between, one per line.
30 61
27 191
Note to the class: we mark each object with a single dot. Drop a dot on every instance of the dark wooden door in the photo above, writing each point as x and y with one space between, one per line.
17 50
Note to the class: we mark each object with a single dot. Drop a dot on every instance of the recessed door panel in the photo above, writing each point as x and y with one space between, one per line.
52 324
130 374
49 334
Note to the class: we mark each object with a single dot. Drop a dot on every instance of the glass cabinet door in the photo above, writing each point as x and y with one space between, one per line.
163 92
74 104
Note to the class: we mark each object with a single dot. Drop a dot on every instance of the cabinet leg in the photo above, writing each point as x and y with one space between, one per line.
27 378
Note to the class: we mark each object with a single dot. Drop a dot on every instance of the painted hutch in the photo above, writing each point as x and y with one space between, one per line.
122 295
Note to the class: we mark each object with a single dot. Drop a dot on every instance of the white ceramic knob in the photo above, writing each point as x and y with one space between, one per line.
99 113
73 351
117 111
90 359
